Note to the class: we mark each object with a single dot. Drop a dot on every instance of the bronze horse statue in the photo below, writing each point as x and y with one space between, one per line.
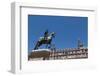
47 39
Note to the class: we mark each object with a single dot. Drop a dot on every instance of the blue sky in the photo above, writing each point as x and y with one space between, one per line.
68 30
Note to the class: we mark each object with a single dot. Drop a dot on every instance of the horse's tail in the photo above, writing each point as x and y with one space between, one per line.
36 45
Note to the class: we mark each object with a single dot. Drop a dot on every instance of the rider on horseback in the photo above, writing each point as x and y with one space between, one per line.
46 34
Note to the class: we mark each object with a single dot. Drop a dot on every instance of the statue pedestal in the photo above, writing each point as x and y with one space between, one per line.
40 53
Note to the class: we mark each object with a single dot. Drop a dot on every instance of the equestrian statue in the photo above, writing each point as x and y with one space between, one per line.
46 39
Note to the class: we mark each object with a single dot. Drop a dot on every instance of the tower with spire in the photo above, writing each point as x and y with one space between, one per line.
80 44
